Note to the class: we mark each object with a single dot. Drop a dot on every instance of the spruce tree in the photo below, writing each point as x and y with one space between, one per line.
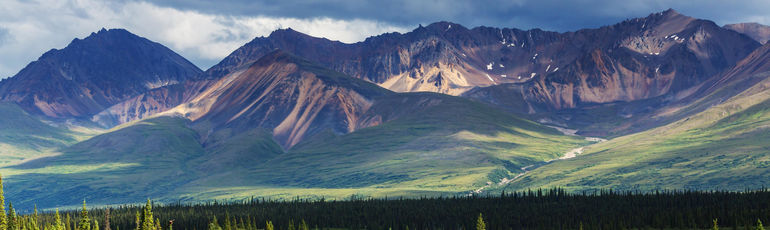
59 225
715 226
269 225
28 223
157 224
3 219
147 220
33 220
228 225
67 225
138 221
291 225
13 222
759 225
214 225
303 225
480 225
85 222
96 225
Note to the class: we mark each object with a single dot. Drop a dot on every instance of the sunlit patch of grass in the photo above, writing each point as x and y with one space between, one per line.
67 169
724 147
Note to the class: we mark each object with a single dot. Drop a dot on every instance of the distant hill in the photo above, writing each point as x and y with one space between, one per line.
759 32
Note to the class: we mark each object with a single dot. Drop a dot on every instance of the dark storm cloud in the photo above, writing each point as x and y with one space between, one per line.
557 15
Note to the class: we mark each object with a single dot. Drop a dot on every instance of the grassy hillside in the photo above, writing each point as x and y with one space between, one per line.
433 145
137 160
440 145
23 136
723 147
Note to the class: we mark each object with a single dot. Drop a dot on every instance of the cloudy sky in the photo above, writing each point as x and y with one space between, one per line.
206 31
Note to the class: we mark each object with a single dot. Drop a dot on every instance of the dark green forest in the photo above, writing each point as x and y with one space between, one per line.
533 209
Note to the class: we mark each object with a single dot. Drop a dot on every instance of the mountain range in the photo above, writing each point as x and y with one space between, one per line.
440 110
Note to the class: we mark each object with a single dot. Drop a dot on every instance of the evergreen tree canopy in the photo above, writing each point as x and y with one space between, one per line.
3 219
58 224
85 221
13 222
480 225
148 222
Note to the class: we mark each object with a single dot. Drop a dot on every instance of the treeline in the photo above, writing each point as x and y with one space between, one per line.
538 209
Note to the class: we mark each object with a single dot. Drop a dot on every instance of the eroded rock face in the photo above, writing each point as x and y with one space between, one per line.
286 94
442 57
633 60
94 73
150 103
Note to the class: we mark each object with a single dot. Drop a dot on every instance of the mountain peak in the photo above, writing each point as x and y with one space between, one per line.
93 73
286 33
670 12
444 25
667 15
110 32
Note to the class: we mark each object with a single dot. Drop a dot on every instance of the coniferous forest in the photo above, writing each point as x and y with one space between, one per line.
534 209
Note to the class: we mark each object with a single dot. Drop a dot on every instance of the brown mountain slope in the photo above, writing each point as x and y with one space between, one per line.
717 141
286 94
759 32
632 60
654 56
150 103
635 60
620 118
94 73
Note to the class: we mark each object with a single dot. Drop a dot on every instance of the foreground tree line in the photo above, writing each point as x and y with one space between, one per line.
539 209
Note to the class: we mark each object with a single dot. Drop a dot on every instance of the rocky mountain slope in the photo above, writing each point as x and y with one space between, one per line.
636 59
525 72
94 73
290 114
285 122
759 32
286 94
723 146
664 53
